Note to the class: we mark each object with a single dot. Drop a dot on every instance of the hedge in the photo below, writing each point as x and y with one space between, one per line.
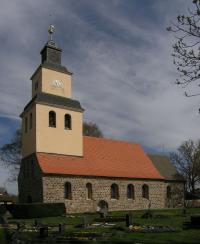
191 196
2 209
37 210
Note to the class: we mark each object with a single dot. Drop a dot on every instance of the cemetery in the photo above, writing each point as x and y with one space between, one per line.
139 226
76 183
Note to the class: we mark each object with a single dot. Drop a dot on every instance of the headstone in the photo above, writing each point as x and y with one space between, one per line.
147 214
184 211
103 212
43 232
86 221
129 219
61 228
6 216
18 226
35 222
2 221
195 220
38 223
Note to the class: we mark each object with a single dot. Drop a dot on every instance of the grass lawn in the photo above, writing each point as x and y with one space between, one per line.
2 236
173 218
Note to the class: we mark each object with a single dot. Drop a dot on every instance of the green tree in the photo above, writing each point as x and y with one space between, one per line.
186 49
187 162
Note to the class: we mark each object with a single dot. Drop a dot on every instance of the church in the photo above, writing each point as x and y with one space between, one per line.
59 164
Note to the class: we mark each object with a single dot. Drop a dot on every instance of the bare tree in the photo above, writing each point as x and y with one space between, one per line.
186 50
187 162
91 129
10 154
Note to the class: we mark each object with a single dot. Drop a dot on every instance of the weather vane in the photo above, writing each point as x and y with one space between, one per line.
51 30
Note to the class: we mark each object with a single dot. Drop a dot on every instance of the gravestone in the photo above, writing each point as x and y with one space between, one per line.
18 226
129 219
2 221
6 216
103 209
86 221
61 228
103 212
184 211
195 220
38 223
43 232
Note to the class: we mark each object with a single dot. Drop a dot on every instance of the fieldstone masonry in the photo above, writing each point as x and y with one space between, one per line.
34 186
53 191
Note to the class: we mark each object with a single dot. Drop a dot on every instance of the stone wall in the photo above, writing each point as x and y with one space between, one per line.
53 191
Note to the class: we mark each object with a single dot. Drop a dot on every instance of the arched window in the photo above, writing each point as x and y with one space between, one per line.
29 199
30 121
114 191
26 125
89 191
68 190
169 192
32 168
68 122
145 191
130 192
36 86
52 119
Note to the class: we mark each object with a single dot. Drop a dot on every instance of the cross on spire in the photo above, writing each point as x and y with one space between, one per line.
51 30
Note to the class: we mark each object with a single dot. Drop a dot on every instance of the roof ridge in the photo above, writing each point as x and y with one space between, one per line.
114 140
59 154
158 155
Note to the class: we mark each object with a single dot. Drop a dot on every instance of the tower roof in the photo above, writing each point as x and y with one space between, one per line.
50 99
51 55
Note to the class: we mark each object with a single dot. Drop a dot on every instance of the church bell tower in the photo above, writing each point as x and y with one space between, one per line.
52 120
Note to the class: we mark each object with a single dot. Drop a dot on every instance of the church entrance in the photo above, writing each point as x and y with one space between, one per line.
29 199
103 206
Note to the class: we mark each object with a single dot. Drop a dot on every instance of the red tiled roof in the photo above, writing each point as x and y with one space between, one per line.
102 157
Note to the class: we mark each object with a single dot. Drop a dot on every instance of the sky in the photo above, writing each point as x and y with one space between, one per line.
120 54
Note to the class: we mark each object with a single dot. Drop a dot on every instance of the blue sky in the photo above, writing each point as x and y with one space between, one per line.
120 54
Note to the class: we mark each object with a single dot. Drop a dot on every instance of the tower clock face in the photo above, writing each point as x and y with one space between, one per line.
57 84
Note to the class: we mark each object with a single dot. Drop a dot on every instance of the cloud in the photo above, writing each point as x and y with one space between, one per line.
119 53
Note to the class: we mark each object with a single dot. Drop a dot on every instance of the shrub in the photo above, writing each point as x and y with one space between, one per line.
2 209
37 210
191 196
9 207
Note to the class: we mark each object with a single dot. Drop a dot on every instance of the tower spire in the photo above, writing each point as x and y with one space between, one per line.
51 53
